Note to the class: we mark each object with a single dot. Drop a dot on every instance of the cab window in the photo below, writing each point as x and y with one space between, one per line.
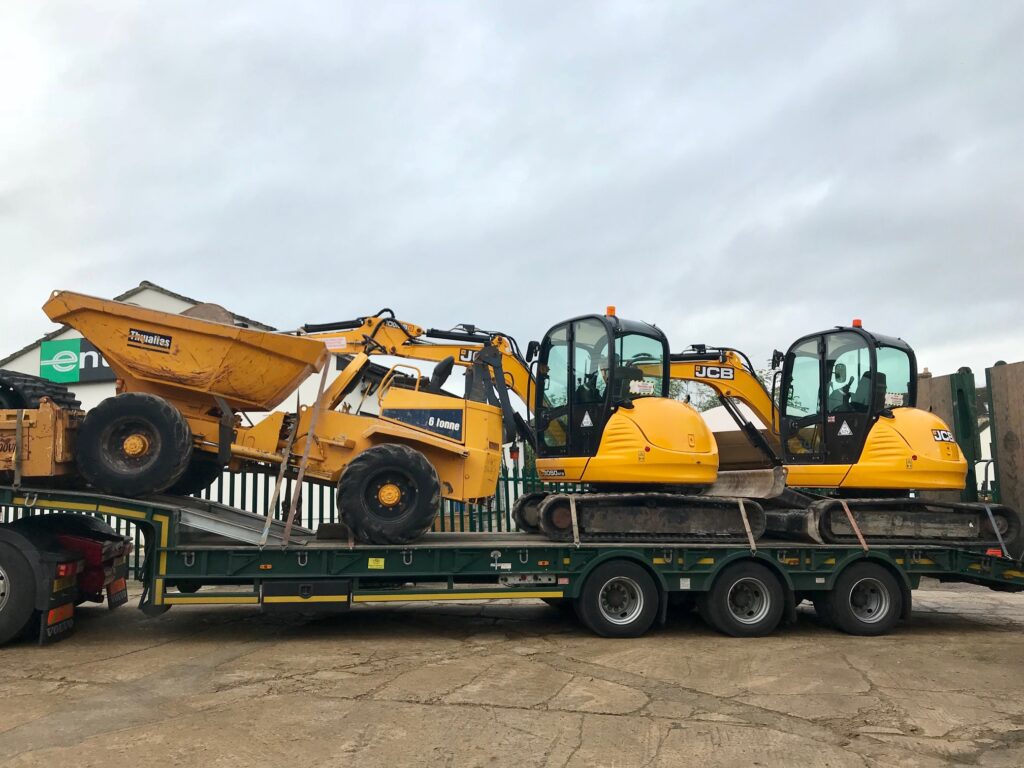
590 361
801 399
848 368
640 366
553 413
894 377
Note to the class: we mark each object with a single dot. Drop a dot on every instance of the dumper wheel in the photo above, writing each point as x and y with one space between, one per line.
389 494
133 444
17 593
202 472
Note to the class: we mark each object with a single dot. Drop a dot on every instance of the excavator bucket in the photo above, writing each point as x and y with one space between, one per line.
249 369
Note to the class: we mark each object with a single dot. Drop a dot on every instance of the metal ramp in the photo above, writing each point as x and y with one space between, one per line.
220 520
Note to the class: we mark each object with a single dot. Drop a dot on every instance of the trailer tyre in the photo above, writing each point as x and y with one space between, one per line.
866 600
389 494
618 599
133 444
745 600
17 594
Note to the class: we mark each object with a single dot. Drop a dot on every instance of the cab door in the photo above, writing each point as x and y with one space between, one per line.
802 420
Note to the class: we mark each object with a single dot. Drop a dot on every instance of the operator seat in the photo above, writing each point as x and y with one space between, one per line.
440 375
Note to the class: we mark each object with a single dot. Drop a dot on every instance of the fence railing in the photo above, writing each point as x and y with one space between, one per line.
254 492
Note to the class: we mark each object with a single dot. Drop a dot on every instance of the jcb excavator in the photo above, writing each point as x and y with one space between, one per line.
851 439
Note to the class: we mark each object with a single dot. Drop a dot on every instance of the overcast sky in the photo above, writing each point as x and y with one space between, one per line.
736 173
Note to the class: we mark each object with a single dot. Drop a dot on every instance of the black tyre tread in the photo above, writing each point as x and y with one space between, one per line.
713 605
88 434
589 613
31 389
21 598
837 603
350 487
518 511
199 475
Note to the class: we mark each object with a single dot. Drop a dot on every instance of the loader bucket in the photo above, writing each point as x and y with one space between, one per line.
250 369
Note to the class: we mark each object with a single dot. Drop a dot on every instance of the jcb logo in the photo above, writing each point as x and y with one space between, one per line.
943 436
466 355
714 372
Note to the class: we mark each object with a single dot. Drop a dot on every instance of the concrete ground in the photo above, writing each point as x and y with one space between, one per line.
519 685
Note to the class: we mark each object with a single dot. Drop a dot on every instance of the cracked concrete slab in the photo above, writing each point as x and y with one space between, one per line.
517 684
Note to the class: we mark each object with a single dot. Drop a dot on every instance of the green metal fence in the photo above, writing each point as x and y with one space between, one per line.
254 492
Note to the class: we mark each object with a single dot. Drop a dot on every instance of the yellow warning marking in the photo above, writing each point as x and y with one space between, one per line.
20 501
660 561
296 599
566 560
211 599
706 561
454 596
1014 574
59 585
375 563
830 561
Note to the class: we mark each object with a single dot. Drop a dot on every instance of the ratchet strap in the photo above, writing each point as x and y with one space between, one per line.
746 527
853 524
575 520
995 529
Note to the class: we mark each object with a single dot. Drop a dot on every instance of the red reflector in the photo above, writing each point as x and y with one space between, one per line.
647 449
66 569
543 563
994 552
57 615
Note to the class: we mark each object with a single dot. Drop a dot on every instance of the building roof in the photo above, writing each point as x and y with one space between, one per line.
144 285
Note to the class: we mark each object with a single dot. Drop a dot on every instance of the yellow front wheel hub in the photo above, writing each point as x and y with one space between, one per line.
389 494
135 445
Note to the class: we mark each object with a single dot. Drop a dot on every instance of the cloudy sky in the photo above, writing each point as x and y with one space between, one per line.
736 173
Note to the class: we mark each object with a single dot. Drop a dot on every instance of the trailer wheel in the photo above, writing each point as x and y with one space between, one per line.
389 494
202 472
133 444
619 599
525 513
17 594
745 600
866 600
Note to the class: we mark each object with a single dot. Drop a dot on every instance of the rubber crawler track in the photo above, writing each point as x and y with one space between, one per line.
32 389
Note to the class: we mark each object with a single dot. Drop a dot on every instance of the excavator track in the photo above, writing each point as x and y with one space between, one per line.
901 521
651 517
20 390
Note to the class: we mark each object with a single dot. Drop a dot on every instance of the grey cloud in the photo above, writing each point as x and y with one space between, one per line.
737 173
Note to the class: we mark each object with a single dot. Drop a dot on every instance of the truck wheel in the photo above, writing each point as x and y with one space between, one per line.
746 600
133 444
17 594
202 472
525 513
866 600
389 494
619 599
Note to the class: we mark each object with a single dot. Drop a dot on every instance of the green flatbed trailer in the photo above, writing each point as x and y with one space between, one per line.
204 553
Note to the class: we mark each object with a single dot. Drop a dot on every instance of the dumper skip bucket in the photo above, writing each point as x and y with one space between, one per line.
250 369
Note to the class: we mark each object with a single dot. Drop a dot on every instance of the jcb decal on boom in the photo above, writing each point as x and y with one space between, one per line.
714 372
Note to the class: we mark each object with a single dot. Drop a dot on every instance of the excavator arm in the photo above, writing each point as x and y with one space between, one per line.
489 357
730 374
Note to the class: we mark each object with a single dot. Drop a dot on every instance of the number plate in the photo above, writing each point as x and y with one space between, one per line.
117 594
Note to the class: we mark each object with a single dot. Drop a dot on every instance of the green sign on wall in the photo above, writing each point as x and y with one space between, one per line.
69 361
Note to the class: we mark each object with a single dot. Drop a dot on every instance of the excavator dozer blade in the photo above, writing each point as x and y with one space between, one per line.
749 483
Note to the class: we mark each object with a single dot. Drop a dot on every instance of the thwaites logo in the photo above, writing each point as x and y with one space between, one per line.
552 473
8 444
149 340
68 361
943 436
723 372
